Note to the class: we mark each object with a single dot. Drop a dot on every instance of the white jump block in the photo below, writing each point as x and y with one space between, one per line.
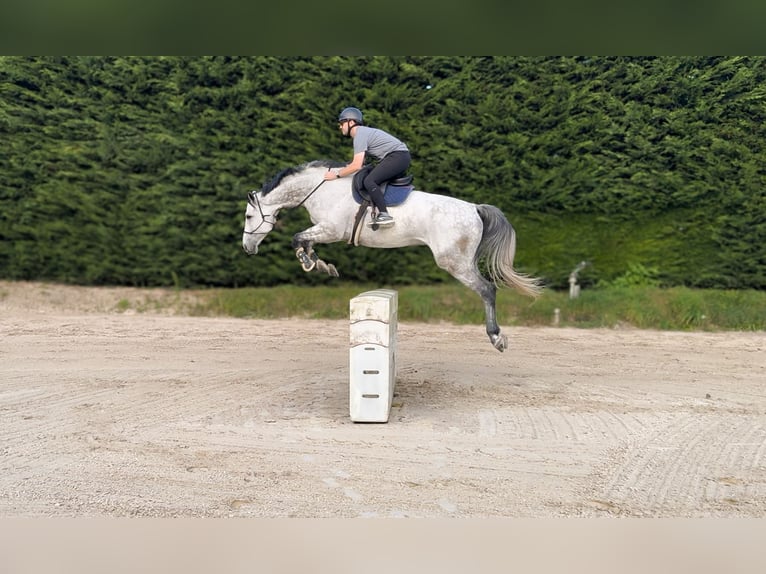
372 355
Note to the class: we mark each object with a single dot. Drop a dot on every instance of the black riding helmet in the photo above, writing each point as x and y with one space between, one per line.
351 114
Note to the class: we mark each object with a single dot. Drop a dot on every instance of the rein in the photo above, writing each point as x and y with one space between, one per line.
252 199
311 193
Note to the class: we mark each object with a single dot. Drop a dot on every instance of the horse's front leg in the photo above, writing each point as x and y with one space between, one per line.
307 257
303 243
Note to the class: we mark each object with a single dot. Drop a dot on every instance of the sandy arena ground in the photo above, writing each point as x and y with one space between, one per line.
109 413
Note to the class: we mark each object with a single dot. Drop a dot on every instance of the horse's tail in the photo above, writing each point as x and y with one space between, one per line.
498 246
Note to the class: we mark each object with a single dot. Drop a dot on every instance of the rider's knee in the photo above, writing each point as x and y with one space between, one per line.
370 184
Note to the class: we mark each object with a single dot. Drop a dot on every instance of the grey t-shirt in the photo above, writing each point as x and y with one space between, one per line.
376 142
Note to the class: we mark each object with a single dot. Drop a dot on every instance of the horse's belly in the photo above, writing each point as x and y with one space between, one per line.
389 238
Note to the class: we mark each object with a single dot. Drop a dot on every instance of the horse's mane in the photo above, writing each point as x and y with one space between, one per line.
326 163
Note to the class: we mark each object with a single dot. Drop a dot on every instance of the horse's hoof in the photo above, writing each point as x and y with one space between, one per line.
500 342
332 270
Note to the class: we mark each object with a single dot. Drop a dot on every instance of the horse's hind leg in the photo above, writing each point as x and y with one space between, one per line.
488 292
473 279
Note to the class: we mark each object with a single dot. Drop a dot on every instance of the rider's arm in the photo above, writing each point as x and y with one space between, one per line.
356 164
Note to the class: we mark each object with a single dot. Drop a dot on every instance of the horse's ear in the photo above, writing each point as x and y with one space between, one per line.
251 198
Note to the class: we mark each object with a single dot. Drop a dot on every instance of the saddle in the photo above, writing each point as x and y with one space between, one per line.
395 191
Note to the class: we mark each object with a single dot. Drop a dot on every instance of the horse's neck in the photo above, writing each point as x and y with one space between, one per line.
295 190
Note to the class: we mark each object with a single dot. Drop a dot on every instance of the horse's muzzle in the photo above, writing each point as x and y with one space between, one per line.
249 248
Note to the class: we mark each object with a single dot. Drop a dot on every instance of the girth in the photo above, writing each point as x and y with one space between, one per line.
395 192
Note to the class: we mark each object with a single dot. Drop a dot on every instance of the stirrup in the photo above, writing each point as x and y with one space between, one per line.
377 224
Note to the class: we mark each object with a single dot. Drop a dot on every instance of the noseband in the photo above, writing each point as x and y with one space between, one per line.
252 199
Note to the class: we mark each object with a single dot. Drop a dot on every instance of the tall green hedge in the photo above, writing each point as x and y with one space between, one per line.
134 170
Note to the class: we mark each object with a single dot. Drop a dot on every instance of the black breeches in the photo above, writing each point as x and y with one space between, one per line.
391 166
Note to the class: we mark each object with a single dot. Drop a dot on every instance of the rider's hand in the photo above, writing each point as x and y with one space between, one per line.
332 174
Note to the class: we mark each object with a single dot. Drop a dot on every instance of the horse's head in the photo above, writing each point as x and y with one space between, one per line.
260 218
291 187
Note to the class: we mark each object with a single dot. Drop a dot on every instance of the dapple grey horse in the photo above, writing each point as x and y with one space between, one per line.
458 233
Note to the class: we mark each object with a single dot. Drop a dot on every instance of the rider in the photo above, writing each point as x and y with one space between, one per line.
393 158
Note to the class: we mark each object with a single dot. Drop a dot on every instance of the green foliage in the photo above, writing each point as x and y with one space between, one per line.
636 276
678 308
134 170
645 307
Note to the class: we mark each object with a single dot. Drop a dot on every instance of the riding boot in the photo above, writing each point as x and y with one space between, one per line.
383 219
376 196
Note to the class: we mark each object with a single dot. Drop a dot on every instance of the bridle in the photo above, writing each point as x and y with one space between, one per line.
252 199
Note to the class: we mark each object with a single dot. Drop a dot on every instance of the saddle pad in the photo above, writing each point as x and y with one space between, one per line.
393 195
